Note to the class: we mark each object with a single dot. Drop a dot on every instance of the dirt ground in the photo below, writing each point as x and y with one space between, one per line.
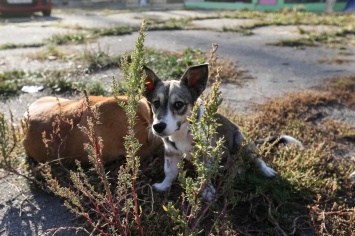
25 210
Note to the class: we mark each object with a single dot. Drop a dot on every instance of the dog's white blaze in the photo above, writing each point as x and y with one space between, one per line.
170 122
171 125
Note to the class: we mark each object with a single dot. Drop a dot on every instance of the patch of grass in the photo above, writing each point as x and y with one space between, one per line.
12 75
335 39
72 27
107 12
60 84
312 189
52 52
171 65
64 39
170 24
343 88
99 60
56 39
336 60
20 45
92 33
301 43
60 81
96 89
246 31
292 18
11 82
122 30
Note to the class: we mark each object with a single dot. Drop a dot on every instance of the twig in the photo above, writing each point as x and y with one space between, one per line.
315 224
294 224
56 230
151 194
26 199
272 219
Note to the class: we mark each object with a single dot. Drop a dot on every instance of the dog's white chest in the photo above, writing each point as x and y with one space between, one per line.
180 142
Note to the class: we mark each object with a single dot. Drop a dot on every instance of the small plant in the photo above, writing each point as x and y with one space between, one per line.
8 142
11 152
11 82
12 75
52 52
113 201
62 39
99 60
112 31
96 89
171 65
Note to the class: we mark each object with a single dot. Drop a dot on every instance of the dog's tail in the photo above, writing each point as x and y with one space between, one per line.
279 139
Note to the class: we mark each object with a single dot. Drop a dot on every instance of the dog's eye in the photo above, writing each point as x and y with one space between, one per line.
156 104
178 105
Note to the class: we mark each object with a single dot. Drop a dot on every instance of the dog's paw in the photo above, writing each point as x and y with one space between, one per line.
267 171
209 193
352 177
161 187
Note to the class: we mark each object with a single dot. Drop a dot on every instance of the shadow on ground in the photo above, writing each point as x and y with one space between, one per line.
27 210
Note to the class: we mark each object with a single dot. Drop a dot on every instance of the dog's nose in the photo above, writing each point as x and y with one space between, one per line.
159 127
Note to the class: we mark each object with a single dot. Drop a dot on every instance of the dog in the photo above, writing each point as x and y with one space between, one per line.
172 103
67 116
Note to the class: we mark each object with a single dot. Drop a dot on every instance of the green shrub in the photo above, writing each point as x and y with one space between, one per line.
62 39
99 60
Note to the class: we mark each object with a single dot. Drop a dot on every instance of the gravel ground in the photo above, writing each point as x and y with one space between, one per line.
277 70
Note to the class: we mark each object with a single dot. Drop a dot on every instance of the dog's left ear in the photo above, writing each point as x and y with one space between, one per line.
151 81
196 79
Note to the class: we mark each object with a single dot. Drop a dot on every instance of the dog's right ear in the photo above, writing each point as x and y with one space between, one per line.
151 81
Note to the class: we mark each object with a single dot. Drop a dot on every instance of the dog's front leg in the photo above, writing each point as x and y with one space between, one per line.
209 190
171 170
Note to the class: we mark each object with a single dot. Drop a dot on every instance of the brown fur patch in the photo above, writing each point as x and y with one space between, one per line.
48 113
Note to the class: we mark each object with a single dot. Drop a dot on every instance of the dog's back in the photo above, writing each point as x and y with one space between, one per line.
49 113
230 132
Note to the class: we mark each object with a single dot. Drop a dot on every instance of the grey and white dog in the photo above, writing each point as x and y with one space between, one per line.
172 103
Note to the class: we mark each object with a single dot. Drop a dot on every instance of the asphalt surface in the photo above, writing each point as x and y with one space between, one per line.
276 71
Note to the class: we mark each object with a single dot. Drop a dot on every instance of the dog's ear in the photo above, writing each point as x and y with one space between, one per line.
195 78
151 81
